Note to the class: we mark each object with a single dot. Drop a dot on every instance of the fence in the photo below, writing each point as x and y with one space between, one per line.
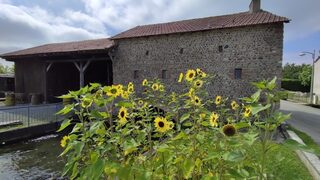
299 97
28 115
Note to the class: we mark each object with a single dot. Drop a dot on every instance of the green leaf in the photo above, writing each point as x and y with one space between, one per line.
272 84
255 97
124 104
181 135
184 117
66 96
187 168
258 108
241 125
64 124
292 144
233 156
97 169
66 109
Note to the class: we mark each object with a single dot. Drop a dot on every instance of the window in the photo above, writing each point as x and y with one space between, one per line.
164 74
135 74
238 73
147 53
181 51
220 48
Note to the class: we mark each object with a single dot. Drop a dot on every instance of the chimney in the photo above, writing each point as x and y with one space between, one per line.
255 6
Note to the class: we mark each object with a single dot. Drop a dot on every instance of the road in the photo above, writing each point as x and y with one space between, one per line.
304 118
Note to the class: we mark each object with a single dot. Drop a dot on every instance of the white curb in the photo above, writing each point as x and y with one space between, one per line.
311 161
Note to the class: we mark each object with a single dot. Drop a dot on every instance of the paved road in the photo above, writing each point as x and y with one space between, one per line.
304 118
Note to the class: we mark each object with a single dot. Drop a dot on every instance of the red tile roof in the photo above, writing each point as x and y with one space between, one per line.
58 48
202 24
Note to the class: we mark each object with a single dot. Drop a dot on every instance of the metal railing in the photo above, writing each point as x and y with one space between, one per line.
299 97
28 115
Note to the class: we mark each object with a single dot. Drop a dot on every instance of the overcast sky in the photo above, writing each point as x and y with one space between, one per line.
26 23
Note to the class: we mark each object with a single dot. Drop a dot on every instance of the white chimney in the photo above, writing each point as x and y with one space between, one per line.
255 6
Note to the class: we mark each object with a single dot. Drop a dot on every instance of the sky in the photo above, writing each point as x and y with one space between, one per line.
29 23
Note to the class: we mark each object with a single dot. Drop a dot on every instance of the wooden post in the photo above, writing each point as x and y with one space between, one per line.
82 70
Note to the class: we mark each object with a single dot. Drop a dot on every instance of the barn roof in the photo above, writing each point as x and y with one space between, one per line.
60 48
202 24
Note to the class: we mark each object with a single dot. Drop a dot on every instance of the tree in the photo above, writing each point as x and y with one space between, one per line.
305 75
6 69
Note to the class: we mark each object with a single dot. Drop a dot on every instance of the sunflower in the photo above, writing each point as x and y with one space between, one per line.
191 74
213 119
198 83
161 88
218 100
130 89
196 100
145 82
122 121
171 125
202 116
130 84
180 78
64 141
247 112
125 94
229 130
161 124
113 91
123 113
140 102
155 86
200 73
86 102
234 105
191 92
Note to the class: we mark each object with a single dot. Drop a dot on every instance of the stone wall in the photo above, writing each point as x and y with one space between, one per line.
256 49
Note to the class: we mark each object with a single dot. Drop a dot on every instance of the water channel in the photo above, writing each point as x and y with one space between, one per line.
32 159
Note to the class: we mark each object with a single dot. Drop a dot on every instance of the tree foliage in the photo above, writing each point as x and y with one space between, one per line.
299 72
6 69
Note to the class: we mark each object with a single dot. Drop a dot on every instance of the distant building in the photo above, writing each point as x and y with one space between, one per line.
316 79
238 48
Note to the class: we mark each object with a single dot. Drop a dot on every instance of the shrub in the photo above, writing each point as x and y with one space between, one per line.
161 134
294 85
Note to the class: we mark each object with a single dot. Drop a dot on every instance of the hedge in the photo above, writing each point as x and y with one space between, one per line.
294 85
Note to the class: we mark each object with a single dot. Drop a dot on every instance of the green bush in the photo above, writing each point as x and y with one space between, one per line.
294 85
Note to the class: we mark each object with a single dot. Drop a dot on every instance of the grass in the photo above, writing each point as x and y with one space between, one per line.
283 163
306 139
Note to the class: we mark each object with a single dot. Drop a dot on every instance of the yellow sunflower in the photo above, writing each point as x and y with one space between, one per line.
125 94
145 82
247 112
214 119
191 74
198 83
130 89
180 78
171 125
64 141
86 102
130 84
200 73
123 113
140 102
218 100
122 121
161 88
113 91
161 124
234 105
191 92
196 100
229 130
202 116
155 86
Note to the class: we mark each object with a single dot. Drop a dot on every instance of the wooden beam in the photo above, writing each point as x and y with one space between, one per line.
86 65
49 66
77 66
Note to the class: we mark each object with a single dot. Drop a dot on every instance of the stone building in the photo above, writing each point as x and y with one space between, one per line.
238 49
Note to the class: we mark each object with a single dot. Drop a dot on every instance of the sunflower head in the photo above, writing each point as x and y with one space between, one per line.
140 102
234 105
113 91
123 113
155 86
190 75
145 82
202 116
130 89
130 84
161 88
64 141
229 130
200 73
196 100
198 83
122 121
161 124
171 125
86 102
247 112
218 100
191 92
180 78
214 119
125 94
